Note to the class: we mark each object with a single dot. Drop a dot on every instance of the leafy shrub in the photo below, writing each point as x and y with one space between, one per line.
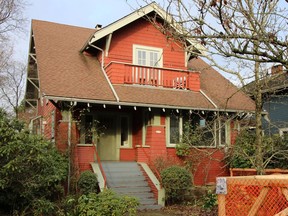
243 152
210 201
88 182
106 203
31 169
183 149
176 180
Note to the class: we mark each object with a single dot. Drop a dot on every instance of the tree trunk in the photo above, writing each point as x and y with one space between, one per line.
258 102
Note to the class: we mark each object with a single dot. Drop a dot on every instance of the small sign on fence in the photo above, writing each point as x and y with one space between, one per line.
221 185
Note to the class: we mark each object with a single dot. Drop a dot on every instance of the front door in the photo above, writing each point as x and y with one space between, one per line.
107 145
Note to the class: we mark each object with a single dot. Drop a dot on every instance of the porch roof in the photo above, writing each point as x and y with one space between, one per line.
162 96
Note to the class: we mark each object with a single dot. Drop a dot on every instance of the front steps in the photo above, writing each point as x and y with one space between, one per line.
126 178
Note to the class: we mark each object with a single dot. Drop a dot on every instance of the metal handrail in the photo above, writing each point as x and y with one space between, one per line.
100 165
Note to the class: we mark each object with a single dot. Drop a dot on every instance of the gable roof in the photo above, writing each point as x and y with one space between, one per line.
65 73
140 13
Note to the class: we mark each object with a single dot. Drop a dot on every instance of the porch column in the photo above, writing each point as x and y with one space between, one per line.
156 139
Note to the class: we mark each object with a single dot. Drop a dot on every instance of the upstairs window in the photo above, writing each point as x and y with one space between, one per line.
147 56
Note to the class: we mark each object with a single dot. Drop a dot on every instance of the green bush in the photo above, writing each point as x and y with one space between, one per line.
210 201
176 180
31 169
106 203
243 152
88 182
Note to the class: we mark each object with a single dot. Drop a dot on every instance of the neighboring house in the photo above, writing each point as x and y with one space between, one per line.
275 101
128 89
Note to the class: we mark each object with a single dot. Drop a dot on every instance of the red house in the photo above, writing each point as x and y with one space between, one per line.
127 89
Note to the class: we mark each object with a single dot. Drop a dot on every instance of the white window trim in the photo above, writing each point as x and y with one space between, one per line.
168 144
129 143
227 141
216 132
135 56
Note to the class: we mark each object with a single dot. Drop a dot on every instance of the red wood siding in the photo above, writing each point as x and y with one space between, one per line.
143 154
208 164
85 155
142 32
127 155
156 139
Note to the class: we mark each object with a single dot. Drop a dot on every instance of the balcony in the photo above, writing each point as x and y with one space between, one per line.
124 73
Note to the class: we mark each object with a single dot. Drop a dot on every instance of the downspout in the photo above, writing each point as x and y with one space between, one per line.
69 149
209 99
104 72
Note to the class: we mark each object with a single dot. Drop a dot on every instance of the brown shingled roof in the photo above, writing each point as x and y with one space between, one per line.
162 96
220 90
64 71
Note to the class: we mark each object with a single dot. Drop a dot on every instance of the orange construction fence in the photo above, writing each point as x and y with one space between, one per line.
265 195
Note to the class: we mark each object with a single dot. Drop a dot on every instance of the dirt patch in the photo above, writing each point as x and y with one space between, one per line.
178 210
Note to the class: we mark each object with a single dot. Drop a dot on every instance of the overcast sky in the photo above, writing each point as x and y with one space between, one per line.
84 13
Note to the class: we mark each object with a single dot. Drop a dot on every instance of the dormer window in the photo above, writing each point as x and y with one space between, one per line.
147 56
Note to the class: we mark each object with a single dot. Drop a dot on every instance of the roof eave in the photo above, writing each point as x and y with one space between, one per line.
160 106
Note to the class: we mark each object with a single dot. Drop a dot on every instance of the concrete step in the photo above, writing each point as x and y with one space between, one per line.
124 183
131 190
123 174
126 178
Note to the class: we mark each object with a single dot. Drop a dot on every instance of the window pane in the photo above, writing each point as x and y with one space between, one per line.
174 129
141 57
222 133
154 60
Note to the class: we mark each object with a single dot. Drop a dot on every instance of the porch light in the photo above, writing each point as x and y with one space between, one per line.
149 108
119 106
88 105
135 108
203 112
163 109
190 111
104 106
177 110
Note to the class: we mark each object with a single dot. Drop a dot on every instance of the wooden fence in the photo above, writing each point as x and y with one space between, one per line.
264 195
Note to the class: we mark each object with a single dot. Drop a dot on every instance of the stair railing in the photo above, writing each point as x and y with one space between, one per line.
154 169
98 160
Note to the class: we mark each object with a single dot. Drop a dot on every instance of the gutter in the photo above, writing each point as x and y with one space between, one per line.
69 99
104 72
